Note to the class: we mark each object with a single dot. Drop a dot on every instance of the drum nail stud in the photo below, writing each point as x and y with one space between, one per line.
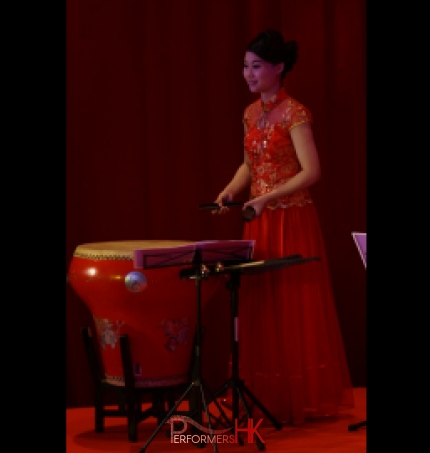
219 267
135 282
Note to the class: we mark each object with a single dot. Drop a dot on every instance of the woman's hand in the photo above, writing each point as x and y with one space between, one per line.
222 198
258 204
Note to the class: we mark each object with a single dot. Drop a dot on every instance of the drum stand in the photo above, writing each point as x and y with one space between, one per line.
195 389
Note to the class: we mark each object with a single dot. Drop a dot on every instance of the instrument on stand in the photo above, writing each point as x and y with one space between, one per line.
240 392
203 253
132 288
152 306
206 264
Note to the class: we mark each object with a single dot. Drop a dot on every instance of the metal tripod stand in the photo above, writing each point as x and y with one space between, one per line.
239 390
195 390
237 385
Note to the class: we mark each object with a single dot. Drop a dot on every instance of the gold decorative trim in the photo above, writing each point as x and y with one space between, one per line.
98 256
149 382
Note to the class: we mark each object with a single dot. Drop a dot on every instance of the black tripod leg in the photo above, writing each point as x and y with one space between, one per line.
275 422
223 418
168 415
215 447
355 426
258 440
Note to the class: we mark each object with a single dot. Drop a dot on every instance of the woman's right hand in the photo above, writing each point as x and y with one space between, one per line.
223 197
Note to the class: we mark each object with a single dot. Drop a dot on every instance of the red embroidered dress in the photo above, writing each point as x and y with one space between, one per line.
291 352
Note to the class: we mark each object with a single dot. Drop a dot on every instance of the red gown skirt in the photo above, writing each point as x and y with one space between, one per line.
291 352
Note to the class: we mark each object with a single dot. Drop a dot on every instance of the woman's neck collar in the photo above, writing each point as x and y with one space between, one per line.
267 95
270 98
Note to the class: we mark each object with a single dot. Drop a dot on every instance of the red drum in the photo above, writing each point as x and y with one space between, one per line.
154 307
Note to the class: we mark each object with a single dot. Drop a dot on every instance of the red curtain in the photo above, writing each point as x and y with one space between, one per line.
154 102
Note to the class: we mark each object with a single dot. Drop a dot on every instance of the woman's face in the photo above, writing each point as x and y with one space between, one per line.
260 75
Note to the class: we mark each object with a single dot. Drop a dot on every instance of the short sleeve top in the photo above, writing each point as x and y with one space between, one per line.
270 149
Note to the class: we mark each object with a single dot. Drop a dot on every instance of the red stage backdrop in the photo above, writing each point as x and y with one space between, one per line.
154 104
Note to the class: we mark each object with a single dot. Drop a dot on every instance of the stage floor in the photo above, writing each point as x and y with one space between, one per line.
328 435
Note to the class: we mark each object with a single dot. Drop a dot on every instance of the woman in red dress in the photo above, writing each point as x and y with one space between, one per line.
291 353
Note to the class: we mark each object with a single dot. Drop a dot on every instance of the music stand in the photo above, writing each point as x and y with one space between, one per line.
360 240
239 389
199 254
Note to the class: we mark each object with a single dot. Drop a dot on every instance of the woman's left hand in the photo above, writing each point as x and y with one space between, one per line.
258 204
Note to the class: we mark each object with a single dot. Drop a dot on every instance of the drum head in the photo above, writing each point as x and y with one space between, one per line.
121 249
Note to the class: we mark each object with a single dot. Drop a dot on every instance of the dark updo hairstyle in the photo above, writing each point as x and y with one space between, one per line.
271 47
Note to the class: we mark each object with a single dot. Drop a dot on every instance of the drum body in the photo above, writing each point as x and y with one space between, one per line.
158 311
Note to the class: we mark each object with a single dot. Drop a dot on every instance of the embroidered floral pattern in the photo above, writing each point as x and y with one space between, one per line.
176 331
108 331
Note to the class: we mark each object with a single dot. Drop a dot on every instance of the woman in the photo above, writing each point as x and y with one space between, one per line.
291 349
